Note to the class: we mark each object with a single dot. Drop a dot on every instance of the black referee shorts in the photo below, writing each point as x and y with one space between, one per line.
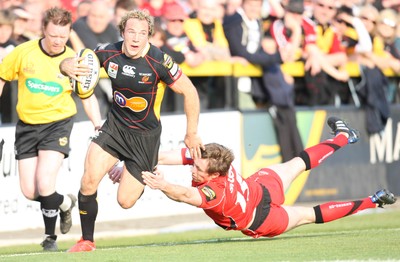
29 139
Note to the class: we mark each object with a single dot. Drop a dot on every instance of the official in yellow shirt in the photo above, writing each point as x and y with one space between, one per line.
45 109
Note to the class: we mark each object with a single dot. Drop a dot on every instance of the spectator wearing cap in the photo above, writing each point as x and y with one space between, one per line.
180 48
177 39
297 32
22 18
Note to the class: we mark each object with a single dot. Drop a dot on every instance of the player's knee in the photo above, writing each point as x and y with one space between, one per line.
89 185
126 203
29 193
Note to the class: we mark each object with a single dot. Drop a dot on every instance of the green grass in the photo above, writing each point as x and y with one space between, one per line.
373 237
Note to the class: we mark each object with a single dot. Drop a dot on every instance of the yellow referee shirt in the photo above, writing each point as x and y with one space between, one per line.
44 94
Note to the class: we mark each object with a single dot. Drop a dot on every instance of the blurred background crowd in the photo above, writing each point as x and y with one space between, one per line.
319 38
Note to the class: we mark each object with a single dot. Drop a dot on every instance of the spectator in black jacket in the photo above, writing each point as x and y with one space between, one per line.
244 33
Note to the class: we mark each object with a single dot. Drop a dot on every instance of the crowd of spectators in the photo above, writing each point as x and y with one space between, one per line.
323 35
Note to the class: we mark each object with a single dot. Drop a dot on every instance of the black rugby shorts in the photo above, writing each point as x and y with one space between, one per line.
137 148
55 136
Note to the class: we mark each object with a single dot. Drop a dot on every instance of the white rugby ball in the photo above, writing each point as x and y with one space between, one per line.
85 87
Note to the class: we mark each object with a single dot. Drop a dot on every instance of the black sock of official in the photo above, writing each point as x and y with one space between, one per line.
88 209
49 207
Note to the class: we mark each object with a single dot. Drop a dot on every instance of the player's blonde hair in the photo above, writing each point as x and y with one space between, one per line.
219 158
140 15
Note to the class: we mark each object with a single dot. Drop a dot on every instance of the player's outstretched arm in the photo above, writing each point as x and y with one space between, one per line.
191 105
156 180
172 157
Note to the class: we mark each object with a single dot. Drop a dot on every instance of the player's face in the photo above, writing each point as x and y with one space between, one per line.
136 37
55 38
199 171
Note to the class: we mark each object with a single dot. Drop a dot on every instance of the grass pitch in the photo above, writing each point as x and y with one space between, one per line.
370 236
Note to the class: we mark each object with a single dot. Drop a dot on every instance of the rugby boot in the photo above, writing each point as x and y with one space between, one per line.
49 243
383 197
66 216
83 246
337 125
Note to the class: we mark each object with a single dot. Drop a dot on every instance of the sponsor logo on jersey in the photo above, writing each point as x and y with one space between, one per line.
209 193
112 70
128 70
37 86
170 65
63 141
29 68
168 62
145 78
136 103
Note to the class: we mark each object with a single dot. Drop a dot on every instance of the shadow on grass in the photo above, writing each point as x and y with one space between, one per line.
227 240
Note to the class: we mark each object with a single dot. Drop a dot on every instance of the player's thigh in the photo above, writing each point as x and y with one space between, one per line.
129 191
299 215
289 171
97 164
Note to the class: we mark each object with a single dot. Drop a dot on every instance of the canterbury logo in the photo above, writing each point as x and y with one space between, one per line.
82 212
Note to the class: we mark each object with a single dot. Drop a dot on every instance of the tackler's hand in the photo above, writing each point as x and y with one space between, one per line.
115 172
155 179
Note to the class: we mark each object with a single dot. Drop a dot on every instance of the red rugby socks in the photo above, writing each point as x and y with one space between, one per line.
334 210
315 155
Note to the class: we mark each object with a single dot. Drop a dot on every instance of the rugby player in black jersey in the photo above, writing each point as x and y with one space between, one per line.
139 73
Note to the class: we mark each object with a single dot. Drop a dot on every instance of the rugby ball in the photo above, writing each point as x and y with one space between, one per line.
85 87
